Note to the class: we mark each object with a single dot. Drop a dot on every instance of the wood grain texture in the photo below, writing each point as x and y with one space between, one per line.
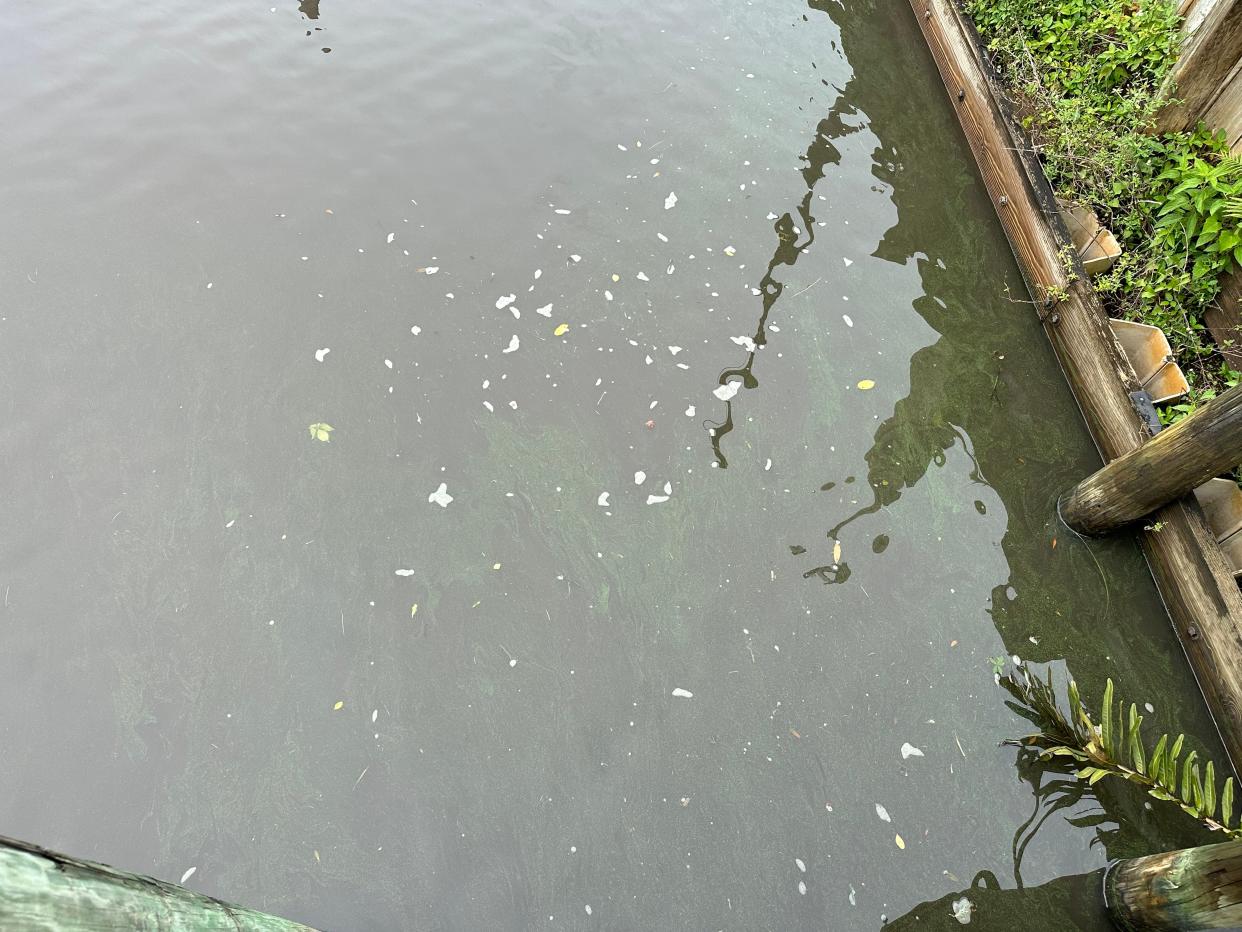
1175 462
1194 579
1208 58
1195 888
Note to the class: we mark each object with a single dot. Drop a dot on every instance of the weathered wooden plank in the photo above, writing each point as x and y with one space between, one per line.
41 890
1224 320
1208 56
1195 888
1194 579
1172 464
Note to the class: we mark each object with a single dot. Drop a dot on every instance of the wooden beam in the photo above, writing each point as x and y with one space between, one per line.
1192 574
1208 57
1195 888
43 890
1179 459
1224 318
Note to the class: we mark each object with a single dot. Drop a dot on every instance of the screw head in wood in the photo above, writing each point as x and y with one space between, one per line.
961 94
1193 632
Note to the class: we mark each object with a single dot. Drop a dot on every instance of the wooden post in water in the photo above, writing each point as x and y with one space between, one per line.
43 890
1195 888
1178 459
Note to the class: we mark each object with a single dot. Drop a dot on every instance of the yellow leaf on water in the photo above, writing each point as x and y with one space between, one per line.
900 842
316 856
866 384
340 704
836 551
413 609
561 330
495 566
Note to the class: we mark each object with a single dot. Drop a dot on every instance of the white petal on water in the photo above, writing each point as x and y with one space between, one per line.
545 311
848 321
772 216
662 237
962 909
321 353
391 237
608 294
908 750
671 201
674 350
514 343
690 411
648 360
374 715
588 909
656 499
802 887
683 693
642 277
416 330
517 315
440 496
405 572
882 813
767 465
563 212
504 301
730 251
671 269
431 270
728 390
188 874
602 501
801 864
848 262
640 477
745 342
538 274
668 488
853 896
576 258
388 363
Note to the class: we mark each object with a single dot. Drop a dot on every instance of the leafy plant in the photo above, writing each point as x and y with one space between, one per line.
1085 78
1115 748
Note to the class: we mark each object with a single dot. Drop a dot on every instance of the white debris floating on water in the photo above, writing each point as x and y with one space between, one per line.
908 750
321 353
727 391
514 343
545 311
640 477
440 496
683 693
801 864
188 874
882 813
603 499
404 572
504 301
671 201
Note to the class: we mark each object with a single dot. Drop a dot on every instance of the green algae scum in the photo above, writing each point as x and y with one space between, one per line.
539 466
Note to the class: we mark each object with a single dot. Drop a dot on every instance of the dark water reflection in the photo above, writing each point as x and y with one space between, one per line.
199 204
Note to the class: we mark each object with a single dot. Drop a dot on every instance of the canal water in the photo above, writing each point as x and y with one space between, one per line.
536 465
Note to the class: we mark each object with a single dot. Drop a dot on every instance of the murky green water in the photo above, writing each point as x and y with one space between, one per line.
216 233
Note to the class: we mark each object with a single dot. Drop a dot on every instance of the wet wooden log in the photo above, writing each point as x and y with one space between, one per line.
1193 575
43 890
1203 68
1179 459
1195 888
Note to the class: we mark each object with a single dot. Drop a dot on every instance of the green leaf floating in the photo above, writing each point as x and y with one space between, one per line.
321 432
1115 748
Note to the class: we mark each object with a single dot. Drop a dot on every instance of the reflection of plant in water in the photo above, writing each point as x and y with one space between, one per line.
1115 747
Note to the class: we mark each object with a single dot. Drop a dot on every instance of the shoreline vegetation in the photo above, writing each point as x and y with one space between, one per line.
1085 79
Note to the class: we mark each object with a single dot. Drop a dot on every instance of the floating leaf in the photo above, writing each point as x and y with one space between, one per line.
901 842
340 704
836 551
413 609
560 330
321 432
866 384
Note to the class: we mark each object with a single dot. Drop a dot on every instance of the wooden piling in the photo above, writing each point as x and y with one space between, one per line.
43 890
1195 888
1176 461
1192 574
1202 72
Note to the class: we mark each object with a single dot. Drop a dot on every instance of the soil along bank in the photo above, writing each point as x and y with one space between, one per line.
1197 585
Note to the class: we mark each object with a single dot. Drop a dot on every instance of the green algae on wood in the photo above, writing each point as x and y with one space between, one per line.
43 890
